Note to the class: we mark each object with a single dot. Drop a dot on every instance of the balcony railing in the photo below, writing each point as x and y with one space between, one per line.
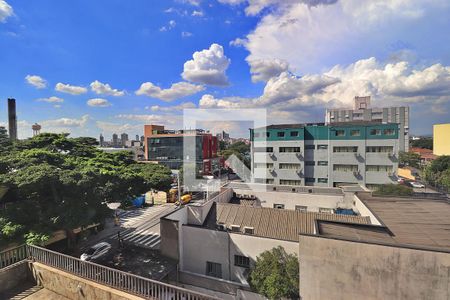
12 256
130 283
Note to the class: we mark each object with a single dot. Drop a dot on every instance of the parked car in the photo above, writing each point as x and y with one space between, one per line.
417 185
96 251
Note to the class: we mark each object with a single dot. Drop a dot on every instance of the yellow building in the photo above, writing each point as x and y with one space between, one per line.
441 139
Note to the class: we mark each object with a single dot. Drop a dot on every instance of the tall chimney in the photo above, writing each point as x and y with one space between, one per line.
12 119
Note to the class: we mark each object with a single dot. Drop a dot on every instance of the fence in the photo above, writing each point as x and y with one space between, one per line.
130 283
12 256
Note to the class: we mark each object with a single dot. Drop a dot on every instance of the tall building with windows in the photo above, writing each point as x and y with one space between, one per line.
123 139
362 111
115 140
364 153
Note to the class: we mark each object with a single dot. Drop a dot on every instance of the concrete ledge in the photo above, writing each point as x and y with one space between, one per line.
74 287
14 275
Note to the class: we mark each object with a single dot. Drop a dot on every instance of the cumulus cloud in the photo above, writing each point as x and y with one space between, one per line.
6 11
52 99
186 34
173 108
169 26
98 102
70 89
238 42
105 89
264 69
149 119
176 90
197 13
207 67
36 81
66 122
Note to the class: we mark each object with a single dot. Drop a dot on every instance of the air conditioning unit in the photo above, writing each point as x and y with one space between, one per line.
235 228
249 230
221 227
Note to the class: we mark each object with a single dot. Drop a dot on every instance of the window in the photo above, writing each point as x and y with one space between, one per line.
355 132
345 149
294 133
289 166
270 181
213 269
340 133
310 179
389 132
322 147
375 132
278 206
280 134
267 134
256 134
242 261
322 180
263 165
310 163
289 149
310 147
322 163
370 168
290 182
345 168
263 149
378 149
325 210
301 208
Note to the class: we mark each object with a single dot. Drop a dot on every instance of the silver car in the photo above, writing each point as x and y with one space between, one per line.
96 251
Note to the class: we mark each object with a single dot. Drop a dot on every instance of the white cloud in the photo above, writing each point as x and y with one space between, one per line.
109 127
209 101
149 119
186 34
66 122
70 89
207 67
264 69
177 90
105 89
52 99
98 102
36 81
238 42
6 11
173 108
169 26
197 13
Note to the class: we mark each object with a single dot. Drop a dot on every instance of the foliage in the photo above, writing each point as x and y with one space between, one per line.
409 159
240 149
426 143
438 172
276 274
393 190
33 238
55 182
5 143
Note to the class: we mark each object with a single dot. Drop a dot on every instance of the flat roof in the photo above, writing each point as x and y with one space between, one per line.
408 222
302 125
281 224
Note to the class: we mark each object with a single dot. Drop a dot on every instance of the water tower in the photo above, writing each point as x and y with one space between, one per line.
36 129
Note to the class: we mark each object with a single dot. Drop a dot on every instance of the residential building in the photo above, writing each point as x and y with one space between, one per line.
441 139
115 140
123 139
362 153
101 140
362 111
166 147
426 155
223 136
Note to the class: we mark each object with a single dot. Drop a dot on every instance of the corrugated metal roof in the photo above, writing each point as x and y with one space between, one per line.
273 223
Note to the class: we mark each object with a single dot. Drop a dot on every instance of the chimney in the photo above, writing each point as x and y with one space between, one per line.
12 119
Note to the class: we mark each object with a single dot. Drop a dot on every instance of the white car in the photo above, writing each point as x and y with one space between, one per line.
417 185
96 251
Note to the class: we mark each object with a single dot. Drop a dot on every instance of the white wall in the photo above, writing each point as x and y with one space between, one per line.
364 211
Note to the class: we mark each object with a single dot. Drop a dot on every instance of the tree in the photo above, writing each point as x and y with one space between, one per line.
438 172
409 159
393 190
240 149
426 143
276 274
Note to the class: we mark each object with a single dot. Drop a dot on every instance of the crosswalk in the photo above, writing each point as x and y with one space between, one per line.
139 226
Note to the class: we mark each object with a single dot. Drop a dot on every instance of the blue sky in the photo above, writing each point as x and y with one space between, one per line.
107 66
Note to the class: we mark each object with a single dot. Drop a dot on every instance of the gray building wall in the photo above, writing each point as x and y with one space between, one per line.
336 269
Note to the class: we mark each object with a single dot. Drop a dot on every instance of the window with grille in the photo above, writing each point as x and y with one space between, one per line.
242 261
278 206
213 269
379 149
310 147
355 133
289 166
345 149
290 182
301 208
289 149
322 163
375 132
322 147
294 133
345 168
340 132
389 132
322 180
280 134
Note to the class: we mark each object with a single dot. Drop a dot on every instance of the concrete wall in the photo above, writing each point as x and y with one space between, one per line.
362 209
73 287
335 269
14 275
171 232
221 247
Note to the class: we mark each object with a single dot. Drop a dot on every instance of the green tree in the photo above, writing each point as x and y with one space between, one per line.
240 149
276 274
393 190
438 172
409 159
426 143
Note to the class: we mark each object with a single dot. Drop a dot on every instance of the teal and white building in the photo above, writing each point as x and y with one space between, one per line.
363 153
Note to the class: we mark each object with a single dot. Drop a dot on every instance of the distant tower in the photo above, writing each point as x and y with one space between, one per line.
102 140
123 139
12 119
115 140
36 129
137 137
142 138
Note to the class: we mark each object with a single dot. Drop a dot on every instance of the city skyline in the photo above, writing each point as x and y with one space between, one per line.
231 54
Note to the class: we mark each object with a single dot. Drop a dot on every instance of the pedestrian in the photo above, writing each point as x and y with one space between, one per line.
119 238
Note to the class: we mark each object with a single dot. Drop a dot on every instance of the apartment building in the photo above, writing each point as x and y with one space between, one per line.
362 111
166 147
364 153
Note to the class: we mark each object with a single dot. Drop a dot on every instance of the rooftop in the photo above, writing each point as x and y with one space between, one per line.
270 222
340 124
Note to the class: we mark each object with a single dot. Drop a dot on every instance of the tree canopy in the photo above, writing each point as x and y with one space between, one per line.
240 149
276 274
426 143
409 159
438 172
55 182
